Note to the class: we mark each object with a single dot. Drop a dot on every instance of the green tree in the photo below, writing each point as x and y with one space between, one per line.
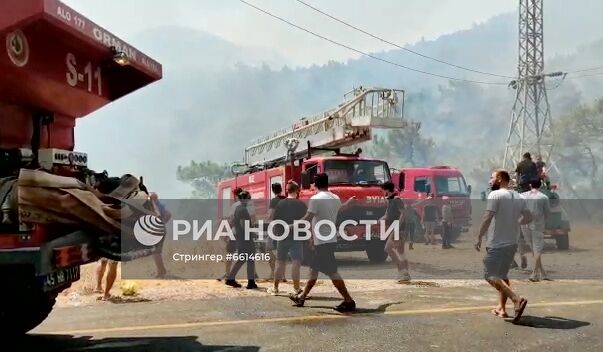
203 177
579 149
403 147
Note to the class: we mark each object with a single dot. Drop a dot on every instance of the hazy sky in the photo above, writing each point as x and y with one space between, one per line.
402 21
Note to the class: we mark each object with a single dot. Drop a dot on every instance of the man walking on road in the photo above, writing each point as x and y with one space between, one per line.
324 207
289 210
508 210
538 204
394 247
245 244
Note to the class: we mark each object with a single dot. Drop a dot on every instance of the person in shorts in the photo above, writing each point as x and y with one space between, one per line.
430 220
506 210
394 247
288 211
447 225
270 246
538 204
325 206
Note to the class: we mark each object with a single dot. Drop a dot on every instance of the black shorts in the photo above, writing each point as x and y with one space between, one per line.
497 262
324 259
231 246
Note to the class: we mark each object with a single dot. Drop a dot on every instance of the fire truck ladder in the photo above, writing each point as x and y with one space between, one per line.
350 123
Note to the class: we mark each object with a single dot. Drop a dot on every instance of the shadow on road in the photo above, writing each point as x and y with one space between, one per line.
70 343
364 311
556 323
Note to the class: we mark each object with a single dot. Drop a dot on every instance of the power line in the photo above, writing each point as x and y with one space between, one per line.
585 75
368 54
586 69
397 45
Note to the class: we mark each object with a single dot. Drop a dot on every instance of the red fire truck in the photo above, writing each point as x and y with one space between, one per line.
55 66
444 183
312 146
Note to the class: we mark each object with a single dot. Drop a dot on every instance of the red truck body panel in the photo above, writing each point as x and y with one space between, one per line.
55 60
410 181
56 63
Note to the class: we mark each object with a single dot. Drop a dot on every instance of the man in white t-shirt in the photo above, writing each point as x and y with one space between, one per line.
508 210
538 204
322 210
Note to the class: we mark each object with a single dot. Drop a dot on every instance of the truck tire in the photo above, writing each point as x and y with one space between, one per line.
376 252
562 241
23 304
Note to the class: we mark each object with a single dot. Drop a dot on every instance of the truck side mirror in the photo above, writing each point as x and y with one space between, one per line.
428 189
305 180
469 189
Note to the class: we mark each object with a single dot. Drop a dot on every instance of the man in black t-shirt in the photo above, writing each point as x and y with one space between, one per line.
245 244
277 190
289 210
395 247
526 171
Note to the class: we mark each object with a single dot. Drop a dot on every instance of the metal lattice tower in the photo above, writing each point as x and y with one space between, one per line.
530 129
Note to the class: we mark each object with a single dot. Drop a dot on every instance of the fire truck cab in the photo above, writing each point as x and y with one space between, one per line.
349 175
288 154
443 183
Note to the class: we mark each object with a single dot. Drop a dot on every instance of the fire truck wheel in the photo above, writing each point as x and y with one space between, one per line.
23 305
376 252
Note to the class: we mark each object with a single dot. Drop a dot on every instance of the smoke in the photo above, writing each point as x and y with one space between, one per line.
217 96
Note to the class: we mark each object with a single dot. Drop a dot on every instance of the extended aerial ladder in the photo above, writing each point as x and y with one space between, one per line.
352 122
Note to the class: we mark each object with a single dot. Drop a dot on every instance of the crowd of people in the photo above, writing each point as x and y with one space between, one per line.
325 205
513 219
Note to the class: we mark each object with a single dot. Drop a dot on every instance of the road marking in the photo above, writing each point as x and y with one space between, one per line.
311 318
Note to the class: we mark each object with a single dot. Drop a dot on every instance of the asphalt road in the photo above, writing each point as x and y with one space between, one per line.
561 316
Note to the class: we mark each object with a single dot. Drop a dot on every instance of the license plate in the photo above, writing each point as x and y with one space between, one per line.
60 277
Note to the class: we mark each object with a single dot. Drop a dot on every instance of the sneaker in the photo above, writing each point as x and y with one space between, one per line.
251 285
403 276
514 265
410 246
273 291
233 283
534 278
346 307
297 299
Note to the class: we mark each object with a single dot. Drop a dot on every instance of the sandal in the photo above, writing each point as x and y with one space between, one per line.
498 314
519 309
297 300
